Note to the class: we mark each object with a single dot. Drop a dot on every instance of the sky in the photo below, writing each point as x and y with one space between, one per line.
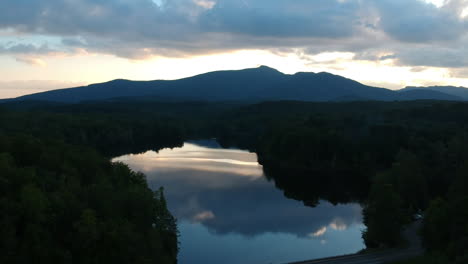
51 44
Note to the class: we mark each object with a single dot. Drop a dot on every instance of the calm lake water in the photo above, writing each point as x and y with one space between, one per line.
228 212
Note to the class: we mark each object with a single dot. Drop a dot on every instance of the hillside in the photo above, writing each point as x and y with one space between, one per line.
254 85
461 92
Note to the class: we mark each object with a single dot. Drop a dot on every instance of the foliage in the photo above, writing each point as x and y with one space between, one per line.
383 214
403 158
396 158
64 203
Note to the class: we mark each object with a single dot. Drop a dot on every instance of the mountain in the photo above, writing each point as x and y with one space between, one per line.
461 92
426 94
256 84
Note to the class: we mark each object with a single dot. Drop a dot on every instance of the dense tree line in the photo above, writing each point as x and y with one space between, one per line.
62 201
398 158
110 134
67 204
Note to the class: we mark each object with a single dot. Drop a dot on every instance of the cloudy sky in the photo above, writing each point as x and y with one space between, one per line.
50 44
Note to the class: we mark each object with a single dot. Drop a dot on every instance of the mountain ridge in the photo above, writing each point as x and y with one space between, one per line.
253 84
452 90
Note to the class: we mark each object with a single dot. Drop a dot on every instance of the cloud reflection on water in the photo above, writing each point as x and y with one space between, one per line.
225 191
197 158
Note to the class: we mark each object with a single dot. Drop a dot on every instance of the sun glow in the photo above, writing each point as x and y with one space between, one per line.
382 73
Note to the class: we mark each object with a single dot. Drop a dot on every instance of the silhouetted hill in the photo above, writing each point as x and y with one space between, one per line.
426 94
461 92
256 84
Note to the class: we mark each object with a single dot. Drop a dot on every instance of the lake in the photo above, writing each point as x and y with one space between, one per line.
228 212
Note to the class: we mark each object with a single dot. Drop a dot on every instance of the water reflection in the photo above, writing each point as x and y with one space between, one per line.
228 212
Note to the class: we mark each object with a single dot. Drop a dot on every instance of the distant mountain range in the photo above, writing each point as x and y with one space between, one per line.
256 84
460 92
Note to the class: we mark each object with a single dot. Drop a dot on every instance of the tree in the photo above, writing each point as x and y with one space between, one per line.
383 215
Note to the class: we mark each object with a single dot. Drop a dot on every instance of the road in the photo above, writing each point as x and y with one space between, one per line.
414 249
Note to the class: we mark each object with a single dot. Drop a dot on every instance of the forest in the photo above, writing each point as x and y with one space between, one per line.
398 159
63 201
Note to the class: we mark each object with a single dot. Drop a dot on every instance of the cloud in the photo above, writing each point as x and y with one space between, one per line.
441 55
282 18
420 22
459 73
205 3
203 216
32 53
404 30
222 200
436 56
320 232
31 60
338 224
18 48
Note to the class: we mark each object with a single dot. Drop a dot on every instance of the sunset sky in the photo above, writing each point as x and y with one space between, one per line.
50 44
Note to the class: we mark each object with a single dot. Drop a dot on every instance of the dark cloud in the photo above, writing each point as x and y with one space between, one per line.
445 57
74 41
442 55
283 18
417 21
140 28
73 17
13 48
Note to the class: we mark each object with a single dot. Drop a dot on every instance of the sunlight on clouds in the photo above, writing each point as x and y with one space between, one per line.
203 216
332 56
190 150
204 166
93 67
338 224
195 40
10 89
386 73
464 12
31 60
173 68
201 160
197 158
437 3
83 67
320 232
206 4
